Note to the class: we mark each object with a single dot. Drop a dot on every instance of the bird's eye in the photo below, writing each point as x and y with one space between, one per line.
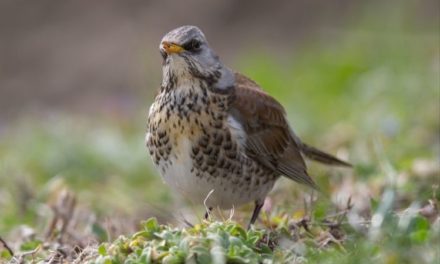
192 45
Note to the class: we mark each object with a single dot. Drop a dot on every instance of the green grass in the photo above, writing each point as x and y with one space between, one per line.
372 94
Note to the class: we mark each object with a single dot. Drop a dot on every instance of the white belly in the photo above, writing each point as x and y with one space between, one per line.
214 192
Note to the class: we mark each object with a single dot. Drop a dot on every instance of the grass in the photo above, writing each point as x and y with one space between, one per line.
77 188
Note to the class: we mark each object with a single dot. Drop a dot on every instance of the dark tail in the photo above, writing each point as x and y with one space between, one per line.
318 155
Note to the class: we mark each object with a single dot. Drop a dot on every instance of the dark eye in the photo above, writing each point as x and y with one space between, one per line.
192 45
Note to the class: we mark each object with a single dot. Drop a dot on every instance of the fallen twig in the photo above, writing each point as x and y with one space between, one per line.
6 246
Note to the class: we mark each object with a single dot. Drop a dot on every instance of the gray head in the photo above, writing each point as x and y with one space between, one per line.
187 56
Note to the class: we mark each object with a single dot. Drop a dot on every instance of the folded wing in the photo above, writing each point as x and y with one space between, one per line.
269 139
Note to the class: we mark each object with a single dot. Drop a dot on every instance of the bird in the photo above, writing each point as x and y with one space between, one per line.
215 135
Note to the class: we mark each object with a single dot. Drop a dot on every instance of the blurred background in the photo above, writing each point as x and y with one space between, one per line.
103 55
358 78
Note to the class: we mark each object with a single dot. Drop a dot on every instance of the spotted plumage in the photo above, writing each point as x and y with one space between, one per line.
215 135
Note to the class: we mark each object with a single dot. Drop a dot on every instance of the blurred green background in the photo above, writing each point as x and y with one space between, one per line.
357 78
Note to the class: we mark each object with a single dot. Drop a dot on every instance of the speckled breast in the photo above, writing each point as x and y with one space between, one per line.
192 145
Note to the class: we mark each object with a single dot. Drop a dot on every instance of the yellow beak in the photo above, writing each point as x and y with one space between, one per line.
171 47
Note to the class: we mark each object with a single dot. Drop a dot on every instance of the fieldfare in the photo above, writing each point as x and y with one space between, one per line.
215 136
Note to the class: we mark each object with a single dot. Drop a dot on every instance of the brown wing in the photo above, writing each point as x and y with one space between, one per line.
269 139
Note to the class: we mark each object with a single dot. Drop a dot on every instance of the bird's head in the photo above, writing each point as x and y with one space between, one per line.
187 57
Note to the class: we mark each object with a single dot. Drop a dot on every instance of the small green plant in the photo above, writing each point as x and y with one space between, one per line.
207 242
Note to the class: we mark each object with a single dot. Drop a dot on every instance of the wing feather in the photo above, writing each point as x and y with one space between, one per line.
268 137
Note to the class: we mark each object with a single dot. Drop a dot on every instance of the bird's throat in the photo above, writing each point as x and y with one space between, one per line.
177 75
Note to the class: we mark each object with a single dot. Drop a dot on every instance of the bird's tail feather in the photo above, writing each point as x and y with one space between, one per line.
320 156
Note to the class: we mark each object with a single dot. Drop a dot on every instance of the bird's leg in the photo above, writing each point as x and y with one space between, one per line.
257 209
207 213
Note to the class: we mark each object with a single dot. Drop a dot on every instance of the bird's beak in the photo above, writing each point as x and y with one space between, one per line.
171 48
